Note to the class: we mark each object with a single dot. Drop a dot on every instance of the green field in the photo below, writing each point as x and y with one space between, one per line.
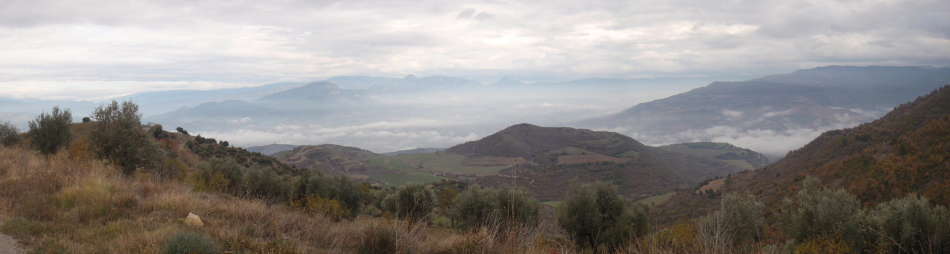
656 200
404 178
433 162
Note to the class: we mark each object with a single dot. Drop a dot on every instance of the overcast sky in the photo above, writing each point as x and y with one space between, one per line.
94 49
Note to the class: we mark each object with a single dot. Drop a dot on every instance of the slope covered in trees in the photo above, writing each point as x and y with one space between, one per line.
904 152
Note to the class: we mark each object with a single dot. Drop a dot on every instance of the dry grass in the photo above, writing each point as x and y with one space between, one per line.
62 204
84 206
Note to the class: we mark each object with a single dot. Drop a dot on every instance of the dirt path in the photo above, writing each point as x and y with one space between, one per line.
8 245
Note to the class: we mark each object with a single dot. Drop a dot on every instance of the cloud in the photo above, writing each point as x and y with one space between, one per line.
383 136
237 42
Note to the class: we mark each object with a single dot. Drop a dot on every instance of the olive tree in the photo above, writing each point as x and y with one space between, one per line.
9 135
118 136
596 217
50 132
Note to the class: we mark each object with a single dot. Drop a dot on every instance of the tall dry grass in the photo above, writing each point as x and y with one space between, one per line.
61 203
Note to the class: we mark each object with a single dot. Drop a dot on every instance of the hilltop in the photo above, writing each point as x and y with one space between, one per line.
557 157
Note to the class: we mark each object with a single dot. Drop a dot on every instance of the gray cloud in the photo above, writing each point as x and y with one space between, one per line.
233 43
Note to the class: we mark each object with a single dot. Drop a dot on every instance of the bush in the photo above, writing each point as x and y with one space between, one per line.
118 137
340 189
379 240
473 208
190 243
516 209
182 131
50 132
9 135
504 209
595 217
739 221
223 175
412 203
821 213
912 225
264 184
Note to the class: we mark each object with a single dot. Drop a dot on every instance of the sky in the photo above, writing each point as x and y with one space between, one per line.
99 49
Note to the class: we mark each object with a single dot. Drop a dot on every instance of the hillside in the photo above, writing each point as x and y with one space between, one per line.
737 156
790 106
558 157
314 92
331 159
271 149
906 151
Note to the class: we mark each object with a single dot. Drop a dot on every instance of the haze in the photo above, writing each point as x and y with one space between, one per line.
550 63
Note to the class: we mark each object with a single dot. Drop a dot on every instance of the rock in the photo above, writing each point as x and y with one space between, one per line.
193 220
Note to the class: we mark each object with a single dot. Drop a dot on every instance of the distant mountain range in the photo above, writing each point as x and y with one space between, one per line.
808 101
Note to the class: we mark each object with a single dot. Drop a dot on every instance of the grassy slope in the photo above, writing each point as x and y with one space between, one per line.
84 206
741 158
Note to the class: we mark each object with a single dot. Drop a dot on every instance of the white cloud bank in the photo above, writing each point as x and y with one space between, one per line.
107 48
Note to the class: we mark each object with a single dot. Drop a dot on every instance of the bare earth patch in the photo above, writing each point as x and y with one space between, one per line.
8 245
713 185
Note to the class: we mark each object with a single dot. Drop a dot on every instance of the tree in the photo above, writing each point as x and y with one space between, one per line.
912 225
740 220
9 135
501 209
119 137
182 131
818 213
50 132
412 203
595 217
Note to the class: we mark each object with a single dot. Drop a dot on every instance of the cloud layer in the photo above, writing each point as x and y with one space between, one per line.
114 47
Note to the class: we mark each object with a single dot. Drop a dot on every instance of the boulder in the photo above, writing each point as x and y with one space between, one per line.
193 220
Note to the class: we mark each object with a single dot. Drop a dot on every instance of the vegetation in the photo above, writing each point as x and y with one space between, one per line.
9 135
64 201
190 243
413 203
50 132
118 137
595 217
497 209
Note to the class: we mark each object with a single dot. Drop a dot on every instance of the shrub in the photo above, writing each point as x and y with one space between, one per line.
223 175
118 137
912 225
190 243
595 217
264 184
379 240
477 207
50 132
740 220
412 203
821 213
473 208
743 215
341 189
516 209
181 130
9 135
